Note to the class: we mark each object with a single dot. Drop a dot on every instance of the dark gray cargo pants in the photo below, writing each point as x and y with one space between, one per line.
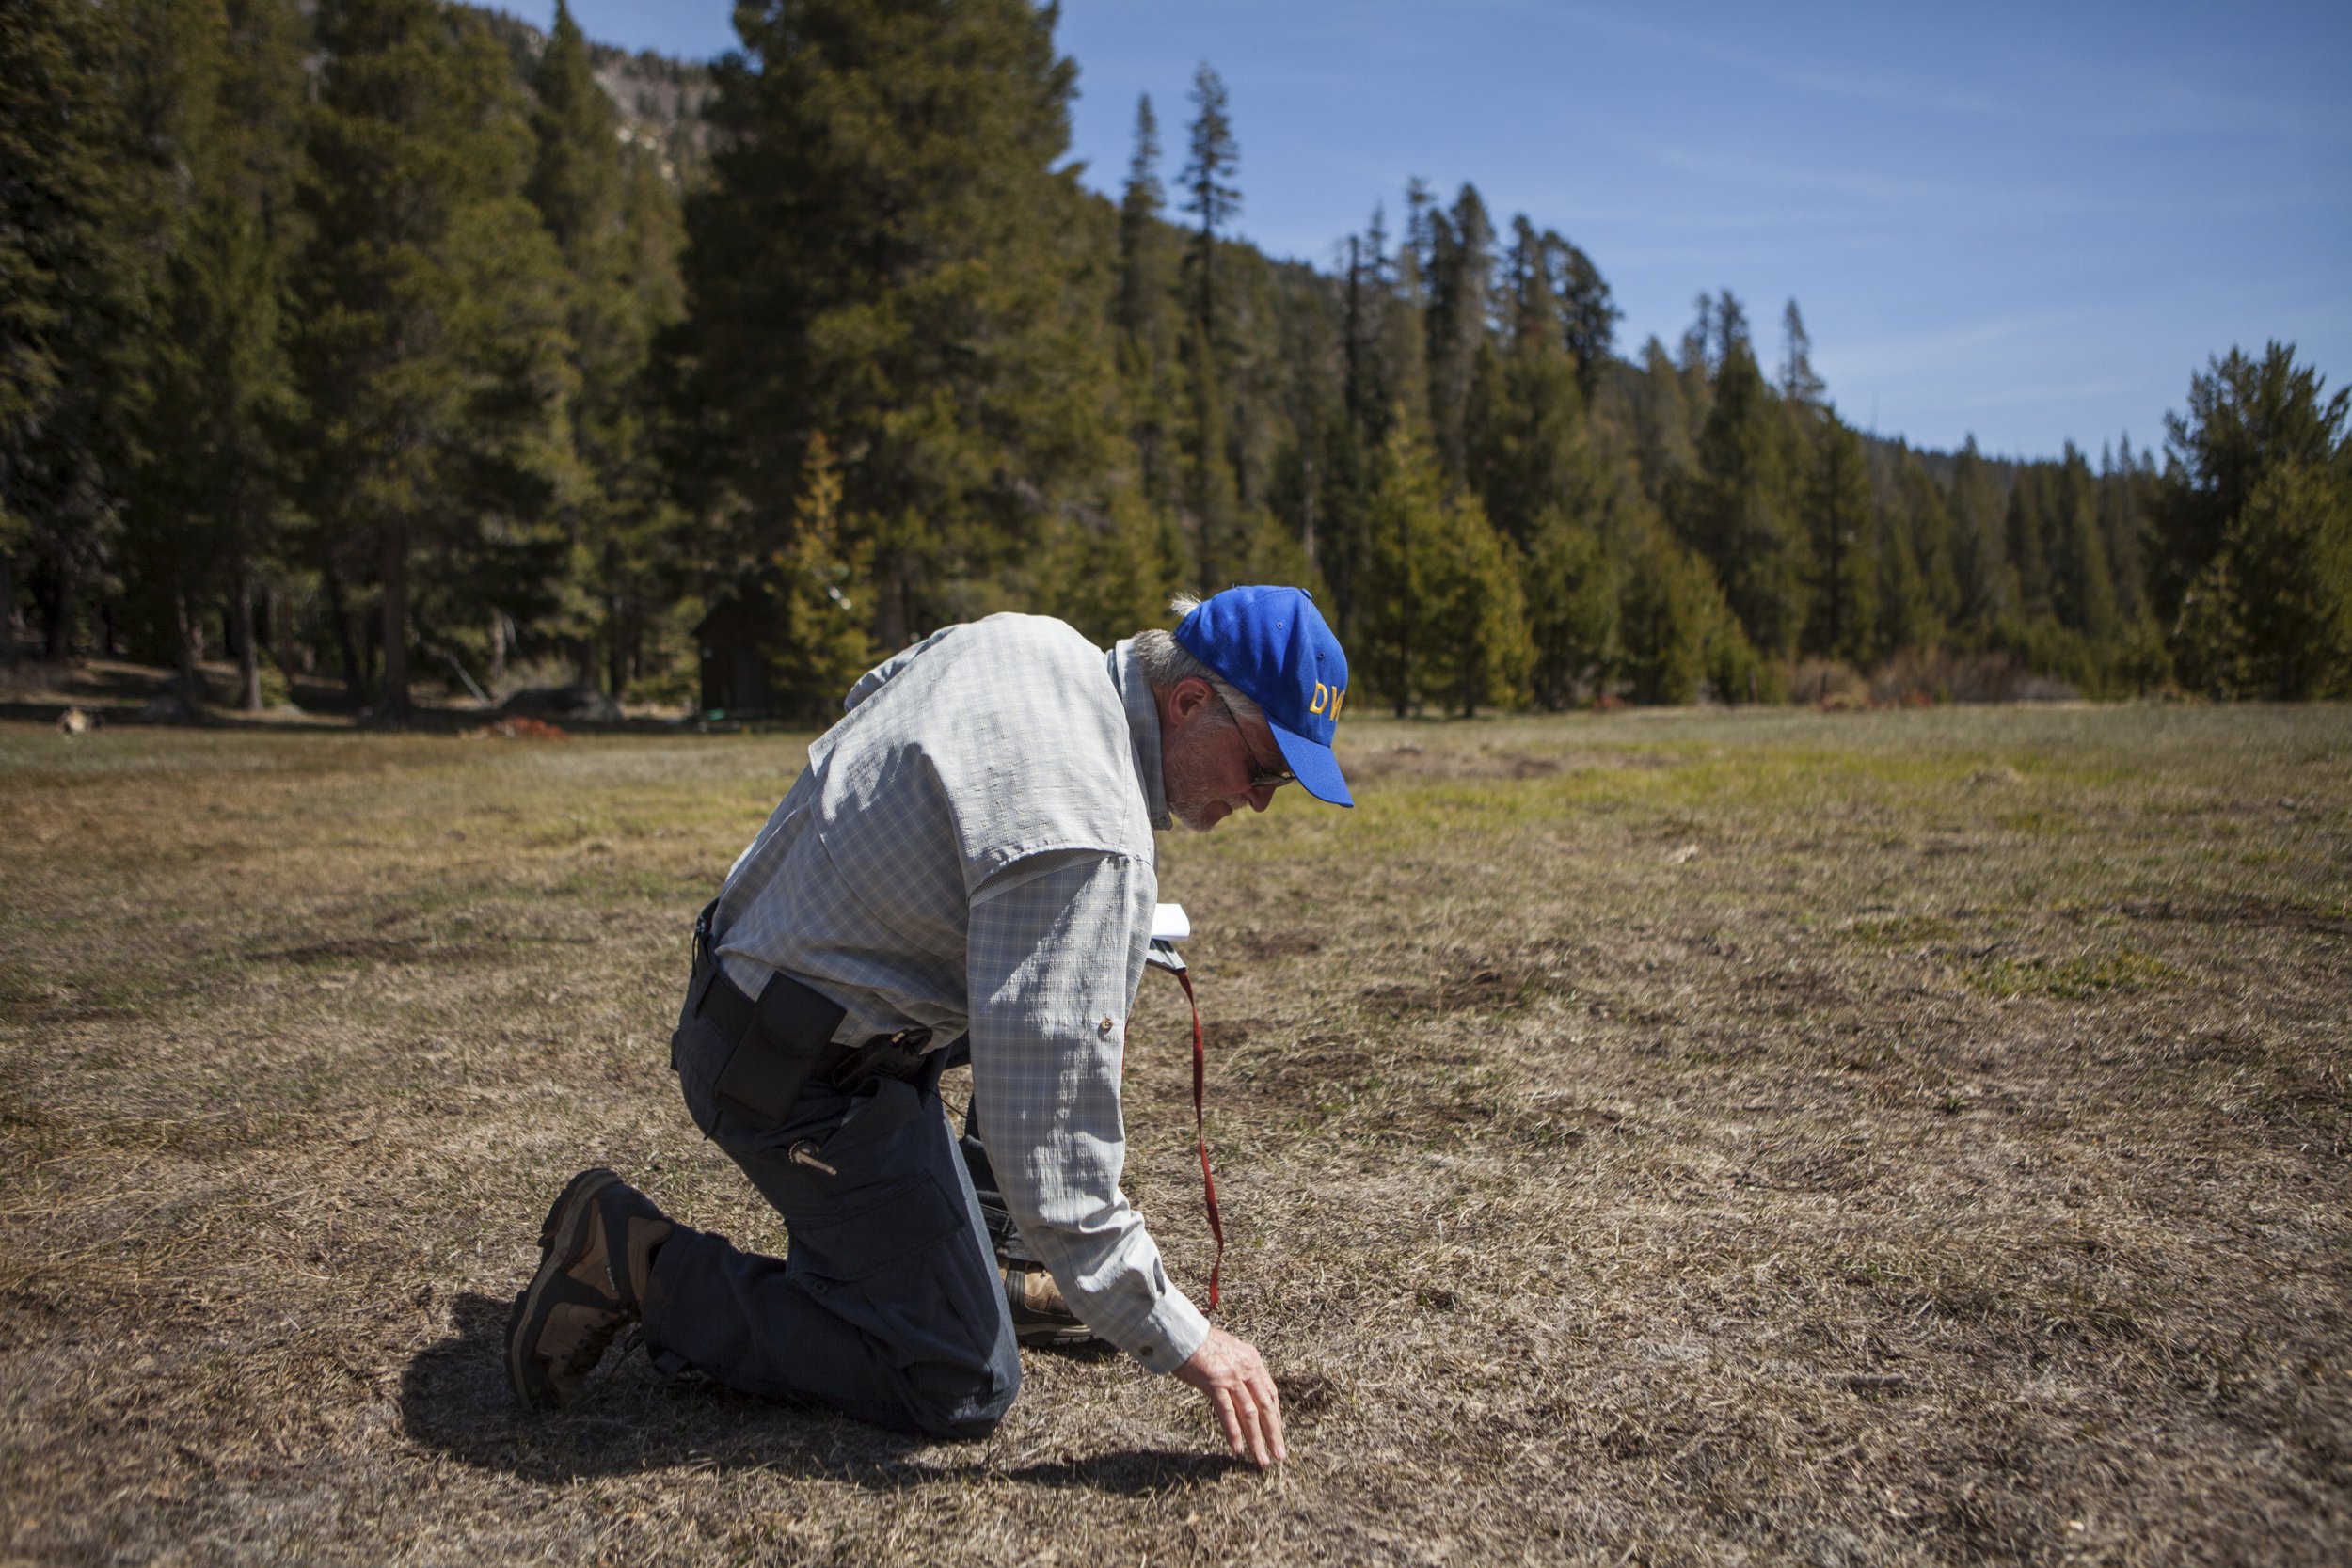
888 1305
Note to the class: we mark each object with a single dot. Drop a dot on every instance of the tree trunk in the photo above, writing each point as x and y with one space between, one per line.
393 701
615 650
8 610
189 645
280 637
498 650
248 651
58 635
354 673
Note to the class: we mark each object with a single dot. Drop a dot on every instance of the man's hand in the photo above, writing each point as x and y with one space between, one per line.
1233 1375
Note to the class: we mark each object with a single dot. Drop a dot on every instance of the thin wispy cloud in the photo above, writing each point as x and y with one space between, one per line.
1884 89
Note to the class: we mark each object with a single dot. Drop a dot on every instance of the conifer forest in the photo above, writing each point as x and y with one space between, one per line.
394 343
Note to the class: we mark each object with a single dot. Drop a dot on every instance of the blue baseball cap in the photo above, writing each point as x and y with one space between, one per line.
1271 645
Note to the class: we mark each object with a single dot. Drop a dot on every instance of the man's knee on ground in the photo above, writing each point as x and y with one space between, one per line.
964 1404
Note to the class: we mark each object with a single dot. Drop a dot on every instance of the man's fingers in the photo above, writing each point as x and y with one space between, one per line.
1227 1417
1270 1416
1253 1429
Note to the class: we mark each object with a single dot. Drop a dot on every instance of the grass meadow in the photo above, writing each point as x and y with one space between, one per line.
1904 1137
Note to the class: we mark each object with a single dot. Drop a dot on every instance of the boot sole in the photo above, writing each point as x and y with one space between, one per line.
1055 1334
569 1217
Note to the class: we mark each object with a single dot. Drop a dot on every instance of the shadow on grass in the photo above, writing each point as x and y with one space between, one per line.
454 1399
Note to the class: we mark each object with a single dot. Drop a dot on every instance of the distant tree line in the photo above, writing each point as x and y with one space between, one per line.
372 339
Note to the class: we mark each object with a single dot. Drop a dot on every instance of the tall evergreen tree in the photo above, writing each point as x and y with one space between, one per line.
2259 476
1842 591
208 496
2291 547
1671 611
2123 506
2246 415
1572 606
1738 511
821 645
1800 386
612 511
2082 588
1210 194
1462 264
1588 316
1526 450
1476 634
1404 531
434 355
1404 335
71 298
883 254
1988 588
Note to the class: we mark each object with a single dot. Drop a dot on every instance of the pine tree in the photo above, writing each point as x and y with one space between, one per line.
1922 514
1113 573
1572 606
1474 635
2082 589
2245 416
70 298
1664 453
1462 265
433 354
821 645
2260 483
2291 550
1210 196
1211 492
885 252
647 589
207 502
1404 541
1840 519
1800 386
2123 530
2026 529
1403 333
1588 316
1524 429
1671 611
1737 514
1988 588
1146 351
596 209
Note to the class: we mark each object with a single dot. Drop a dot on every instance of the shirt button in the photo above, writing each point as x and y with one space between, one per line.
1105 1027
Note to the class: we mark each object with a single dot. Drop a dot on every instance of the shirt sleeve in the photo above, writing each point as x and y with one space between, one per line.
1056 952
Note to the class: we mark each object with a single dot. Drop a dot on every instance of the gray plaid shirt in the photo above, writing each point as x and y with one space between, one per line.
971 849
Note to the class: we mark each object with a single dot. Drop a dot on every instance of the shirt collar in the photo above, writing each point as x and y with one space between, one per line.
1143 729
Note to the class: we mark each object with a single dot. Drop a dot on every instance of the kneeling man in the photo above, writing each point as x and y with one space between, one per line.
966 867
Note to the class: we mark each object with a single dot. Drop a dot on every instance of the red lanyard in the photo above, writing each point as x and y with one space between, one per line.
1201 1134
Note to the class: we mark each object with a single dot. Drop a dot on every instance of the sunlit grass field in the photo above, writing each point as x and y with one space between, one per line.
1698 1137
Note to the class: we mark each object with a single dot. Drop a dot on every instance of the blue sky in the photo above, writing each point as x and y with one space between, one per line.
2031 223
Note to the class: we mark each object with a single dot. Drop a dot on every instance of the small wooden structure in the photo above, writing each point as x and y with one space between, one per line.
732 640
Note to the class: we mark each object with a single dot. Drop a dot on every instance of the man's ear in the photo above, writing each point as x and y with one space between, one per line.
1188 697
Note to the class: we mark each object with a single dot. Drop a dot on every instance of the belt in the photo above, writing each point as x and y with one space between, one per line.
784 1038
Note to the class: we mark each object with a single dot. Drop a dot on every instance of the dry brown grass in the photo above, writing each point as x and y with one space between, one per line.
1902 1137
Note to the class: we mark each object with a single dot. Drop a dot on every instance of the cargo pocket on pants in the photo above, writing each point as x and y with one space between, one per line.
903 1267
698 1053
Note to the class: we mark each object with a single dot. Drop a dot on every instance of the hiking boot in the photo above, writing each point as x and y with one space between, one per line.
1039 1315
596 1256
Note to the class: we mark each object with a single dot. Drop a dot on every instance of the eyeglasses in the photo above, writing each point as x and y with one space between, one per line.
1259 777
